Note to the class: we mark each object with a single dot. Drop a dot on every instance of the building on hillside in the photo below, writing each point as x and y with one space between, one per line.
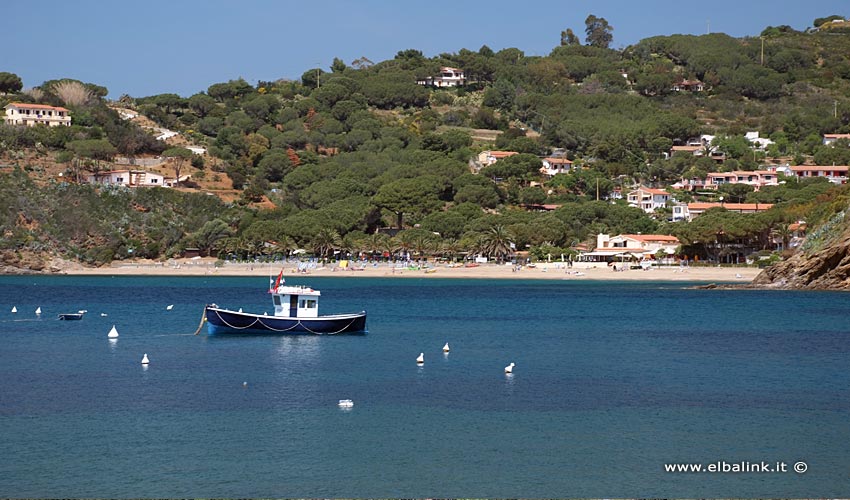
835 174
831 138
449 77
754 178
685 85
758 143
689 211
487 158
18 113
129 178
648 199
554 166
630 247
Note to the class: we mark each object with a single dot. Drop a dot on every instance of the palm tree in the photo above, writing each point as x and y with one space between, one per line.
376 243
325 242
450 247
424 244
498 241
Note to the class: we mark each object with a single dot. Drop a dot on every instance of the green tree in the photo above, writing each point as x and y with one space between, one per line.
569 38
10 83
408 196
598 32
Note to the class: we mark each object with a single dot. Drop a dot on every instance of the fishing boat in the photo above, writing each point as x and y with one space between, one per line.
72 316
296 311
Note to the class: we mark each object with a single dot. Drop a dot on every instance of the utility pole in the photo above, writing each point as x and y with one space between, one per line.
762 50
835 109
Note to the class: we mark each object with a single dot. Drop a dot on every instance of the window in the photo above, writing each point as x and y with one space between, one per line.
276 299
311 304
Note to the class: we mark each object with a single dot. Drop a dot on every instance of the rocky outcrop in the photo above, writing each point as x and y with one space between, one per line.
826 269
25 262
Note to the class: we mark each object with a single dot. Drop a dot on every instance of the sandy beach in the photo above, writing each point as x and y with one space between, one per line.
553 270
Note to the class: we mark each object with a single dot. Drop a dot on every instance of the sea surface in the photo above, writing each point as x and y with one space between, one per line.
613 380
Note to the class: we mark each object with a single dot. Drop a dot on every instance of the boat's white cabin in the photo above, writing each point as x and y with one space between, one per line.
296 302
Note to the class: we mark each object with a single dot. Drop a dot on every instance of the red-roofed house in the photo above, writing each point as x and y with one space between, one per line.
554 166
648 199
487 158
755 178
830 138
19 113
689 211
835 174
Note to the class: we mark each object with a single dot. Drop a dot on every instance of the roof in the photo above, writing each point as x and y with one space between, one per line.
34 106
836 136
652 237
741 172
558 160
818 168
501 154
686 148
651 191
730 206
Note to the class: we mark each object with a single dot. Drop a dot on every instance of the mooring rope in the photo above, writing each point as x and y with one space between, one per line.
203 320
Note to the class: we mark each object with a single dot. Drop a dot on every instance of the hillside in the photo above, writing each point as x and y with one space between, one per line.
340 160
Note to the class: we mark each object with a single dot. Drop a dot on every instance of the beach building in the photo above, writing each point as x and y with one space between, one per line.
630 247
19 113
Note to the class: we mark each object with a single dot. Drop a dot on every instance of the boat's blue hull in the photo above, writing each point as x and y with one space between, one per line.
230 322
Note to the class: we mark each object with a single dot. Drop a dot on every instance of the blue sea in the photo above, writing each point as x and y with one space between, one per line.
613 380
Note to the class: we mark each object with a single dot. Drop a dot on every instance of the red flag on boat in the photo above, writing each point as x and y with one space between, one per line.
280 280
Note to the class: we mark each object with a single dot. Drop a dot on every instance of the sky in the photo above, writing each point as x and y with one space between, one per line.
149 47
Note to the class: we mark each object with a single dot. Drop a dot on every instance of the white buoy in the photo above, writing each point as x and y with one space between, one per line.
421 359
346 403
113 333
244 384
103 315
446 347
145 359
14 309
169 307
38 310
510 368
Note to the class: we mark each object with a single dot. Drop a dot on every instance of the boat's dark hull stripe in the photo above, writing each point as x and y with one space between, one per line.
220 321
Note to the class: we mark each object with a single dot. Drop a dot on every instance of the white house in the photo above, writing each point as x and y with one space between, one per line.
449 77
129 178
19 113
648 199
